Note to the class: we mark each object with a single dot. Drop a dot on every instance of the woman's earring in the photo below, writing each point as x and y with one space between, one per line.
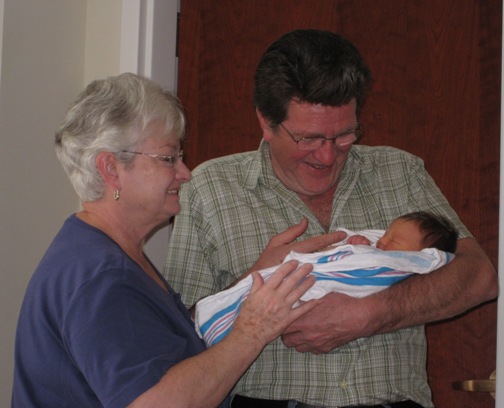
116 194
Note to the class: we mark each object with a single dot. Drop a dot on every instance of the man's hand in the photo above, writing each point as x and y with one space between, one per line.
282 244
336 320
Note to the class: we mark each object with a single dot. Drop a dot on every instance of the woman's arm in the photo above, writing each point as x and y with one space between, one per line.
205 379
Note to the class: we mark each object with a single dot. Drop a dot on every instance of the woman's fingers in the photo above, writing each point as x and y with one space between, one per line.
290 279
282 272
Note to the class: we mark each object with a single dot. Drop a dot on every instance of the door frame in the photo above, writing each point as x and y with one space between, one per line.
148 47
499 382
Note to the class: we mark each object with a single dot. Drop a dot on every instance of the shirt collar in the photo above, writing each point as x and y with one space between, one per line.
260 170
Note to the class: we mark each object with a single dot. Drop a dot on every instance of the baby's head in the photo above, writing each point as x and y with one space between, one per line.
418 230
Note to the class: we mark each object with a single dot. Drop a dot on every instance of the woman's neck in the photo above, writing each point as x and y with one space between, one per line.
122 234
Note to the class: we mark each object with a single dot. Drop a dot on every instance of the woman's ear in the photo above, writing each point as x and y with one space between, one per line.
106 164
265 126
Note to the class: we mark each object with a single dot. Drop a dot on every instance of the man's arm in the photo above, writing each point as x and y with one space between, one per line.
466 282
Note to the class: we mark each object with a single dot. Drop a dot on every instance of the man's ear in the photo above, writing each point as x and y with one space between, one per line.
265 126
106 164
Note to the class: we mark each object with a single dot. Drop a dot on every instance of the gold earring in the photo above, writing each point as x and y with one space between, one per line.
116 194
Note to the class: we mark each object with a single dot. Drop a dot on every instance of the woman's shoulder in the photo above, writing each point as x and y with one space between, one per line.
79 252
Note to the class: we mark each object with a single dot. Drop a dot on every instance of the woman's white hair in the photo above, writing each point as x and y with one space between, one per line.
113 115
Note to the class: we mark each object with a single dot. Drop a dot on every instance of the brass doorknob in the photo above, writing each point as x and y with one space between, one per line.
477 385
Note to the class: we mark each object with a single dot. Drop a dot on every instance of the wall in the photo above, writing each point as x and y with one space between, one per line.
103 39
47 55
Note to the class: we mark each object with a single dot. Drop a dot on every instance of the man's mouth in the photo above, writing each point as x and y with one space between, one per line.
317 166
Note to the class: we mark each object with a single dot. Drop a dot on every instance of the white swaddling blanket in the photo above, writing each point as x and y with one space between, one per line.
355 270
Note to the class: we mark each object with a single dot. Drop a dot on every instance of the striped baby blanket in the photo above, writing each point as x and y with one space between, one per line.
355 270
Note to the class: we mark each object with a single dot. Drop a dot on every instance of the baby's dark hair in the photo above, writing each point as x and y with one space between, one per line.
438 232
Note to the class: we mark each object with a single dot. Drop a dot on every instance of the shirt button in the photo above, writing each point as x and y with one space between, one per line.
343 384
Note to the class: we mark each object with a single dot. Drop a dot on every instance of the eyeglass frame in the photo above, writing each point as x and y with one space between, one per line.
170 160
357 130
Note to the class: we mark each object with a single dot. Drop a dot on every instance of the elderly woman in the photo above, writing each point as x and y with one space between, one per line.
99 325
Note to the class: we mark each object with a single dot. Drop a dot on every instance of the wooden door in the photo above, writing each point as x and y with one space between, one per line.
436 66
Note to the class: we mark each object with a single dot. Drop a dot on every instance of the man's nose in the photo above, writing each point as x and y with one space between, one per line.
326 153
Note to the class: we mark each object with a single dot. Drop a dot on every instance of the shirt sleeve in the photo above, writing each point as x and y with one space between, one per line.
426 195
188 267
383 183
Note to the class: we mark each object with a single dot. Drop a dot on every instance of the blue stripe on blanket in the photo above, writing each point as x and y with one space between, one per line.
377 276
358 273
221 323
383 281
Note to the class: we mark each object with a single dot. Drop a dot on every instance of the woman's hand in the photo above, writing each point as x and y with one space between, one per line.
269 309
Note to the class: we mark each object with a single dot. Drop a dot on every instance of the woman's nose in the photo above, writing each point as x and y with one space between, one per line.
183 172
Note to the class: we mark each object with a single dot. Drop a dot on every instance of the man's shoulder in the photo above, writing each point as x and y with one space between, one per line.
362 154
230 169
372 151
219 164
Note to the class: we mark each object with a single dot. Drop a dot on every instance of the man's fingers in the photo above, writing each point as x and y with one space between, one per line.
290 234
319 242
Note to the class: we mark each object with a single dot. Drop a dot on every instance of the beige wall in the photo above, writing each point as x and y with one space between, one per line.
49 50
103 39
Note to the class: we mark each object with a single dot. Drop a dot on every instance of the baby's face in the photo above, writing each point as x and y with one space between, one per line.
401 236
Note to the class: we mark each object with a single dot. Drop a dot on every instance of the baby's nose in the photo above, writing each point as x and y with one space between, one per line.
381 244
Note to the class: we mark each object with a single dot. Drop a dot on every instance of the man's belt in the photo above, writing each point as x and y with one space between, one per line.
240 401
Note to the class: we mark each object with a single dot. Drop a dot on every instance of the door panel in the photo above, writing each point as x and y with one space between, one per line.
436 93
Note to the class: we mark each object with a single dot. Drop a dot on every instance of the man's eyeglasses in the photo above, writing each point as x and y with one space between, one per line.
314 142
170 160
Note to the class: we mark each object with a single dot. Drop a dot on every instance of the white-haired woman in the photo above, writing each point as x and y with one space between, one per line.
99 325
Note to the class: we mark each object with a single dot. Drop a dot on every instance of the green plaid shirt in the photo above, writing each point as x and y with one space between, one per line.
232 207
